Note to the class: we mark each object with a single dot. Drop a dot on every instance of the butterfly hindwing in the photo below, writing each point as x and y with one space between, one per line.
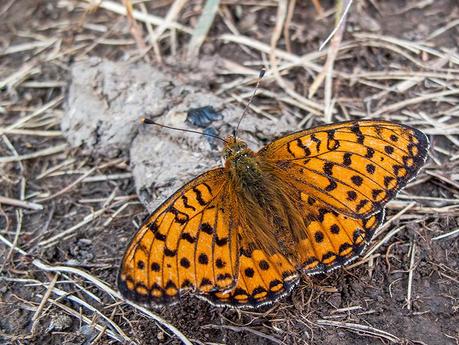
186 244
352 167
334 239
262 279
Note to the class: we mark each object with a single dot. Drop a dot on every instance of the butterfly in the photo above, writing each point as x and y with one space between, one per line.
242 234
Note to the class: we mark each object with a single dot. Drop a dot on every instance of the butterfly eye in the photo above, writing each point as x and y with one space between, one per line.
227 152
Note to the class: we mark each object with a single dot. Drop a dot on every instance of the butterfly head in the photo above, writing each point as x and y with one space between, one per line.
236 150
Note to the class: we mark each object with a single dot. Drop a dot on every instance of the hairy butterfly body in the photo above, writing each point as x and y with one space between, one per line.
241 234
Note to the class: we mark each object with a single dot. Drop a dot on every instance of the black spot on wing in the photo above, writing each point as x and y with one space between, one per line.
370 153
179 217
328 168
331 186
317 141
347 159
206 228
357 180
160 237
187 237
221 241
186 204
199 198
203 259
356 130
305 149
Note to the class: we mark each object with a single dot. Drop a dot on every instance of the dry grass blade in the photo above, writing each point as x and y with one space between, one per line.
202 27
273 52
415 100
142 17
41 153
37 313
27 46
18 124
443 29
82 178
136 30
18 76
20 203
367 330
327 71
288 23
318 8
172 14
394 218
19 219
409 290
86 320
64 234
452 234
80 302
154 35
341 15
32 132
246 329
294 60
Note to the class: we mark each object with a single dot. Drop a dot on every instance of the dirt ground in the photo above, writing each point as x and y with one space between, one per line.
66 212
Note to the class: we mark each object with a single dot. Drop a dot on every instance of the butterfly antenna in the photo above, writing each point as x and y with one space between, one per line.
260 76
150 122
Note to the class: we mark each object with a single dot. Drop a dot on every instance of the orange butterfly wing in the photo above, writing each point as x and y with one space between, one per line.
345 174
262 279
334 239
186 244
352 167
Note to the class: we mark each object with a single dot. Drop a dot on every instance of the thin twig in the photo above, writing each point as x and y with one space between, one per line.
81 178
202 27
346 9
360 328
143 17
41 153
19 217
20 203
42 304
410 277
71 230
327 71
453 233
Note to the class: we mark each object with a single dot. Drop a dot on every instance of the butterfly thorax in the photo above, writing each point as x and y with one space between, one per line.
242 165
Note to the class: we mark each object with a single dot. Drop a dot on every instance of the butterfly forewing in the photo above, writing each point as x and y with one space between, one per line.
187 243
353 167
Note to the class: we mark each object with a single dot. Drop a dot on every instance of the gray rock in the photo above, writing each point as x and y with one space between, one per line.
105 101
